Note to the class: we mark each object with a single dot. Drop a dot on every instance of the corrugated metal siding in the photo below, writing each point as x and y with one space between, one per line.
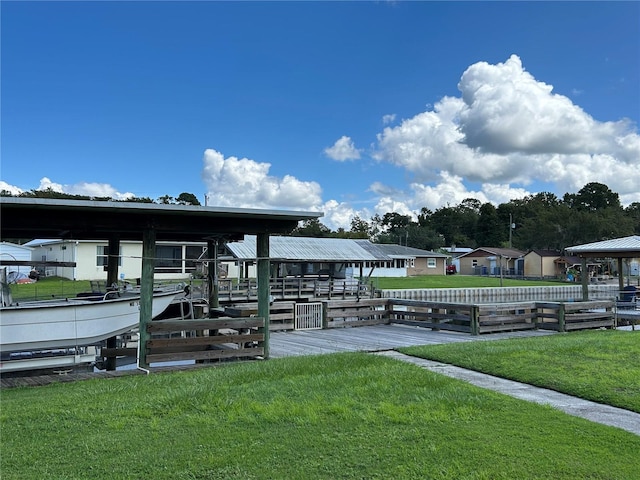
625 244
395 251
305 249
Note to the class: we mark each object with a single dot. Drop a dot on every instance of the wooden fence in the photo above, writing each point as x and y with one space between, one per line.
349 313
281 314
295 288
487 318
475 319
205 339
240 333
568 316
435 315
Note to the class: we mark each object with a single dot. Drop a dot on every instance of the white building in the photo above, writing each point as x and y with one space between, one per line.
90 257
15 252
292 255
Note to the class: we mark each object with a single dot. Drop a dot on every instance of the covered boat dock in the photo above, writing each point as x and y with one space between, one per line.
24 217
621 249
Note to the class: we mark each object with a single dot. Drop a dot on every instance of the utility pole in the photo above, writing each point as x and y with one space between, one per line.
511 227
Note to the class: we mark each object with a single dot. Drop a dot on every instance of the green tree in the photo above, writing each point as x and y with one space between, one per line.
187 199
490 230
541 221
359 228
312 228
632 212
592 197
457 224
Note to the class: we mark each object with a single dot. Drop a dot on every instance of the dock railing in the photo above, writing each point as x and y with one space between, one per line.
566 316
355 312
240 333
293 288
205 339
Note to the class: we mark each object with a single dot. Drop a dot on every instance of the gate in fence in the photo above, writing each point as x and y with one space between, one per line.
308 316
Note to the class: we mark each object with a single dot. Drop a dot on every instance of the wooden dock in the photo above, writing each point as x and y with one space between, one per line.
372 339
305 342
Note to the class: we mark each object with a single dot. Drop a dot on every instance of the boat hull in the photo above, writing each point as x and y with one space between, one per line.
72 322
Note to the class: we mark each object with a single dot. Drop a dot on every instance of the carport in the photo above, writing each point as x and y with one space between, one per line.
618 248
24 217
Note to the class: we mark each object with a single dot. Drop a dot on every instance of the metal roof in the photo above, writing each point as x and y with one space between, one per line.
311 249
307 249
397 251
25 217
628 247
498 252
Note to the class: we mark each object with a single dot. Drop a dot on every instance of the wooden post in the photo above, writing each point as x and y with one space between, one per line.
146 293
113 257
561 318
584 278
475 320
325 316
620 278
262 253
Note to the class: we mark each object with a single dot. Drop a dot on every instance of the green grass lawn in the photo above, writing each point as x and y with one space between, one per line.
602 366
343 416
49 287
56 287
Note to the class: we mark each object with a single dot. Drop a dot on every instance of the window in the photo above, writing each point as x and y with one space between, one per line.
168 259
431 263
192 254
102 257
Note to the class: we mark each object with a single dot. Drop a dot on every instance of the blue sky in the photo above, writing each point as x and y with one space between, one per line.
349 108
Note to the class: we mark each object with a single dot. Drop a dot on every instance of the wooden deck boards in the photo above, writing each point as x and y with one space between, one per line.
309 342
372 338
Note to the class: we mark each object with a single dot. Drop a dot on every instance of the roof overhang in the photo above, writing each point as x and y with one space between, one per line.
24 217
626 247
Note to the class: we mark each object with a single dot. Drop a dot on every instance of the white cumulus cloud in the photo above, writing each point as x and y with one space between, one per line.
245 183
90 189
389 118
10 188
344 149
508 130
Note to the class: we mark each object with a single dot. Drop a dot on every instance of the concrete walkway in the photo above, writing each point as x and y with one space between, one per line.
596 412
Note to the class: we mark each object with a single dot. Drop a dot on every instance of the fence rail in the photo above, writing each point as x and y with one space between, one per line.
205 339
242 333
295 288
348 313
575 315
435 315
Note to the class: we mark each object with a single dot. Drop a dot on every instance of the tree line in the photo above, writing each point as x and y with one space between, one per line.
182 199
539 221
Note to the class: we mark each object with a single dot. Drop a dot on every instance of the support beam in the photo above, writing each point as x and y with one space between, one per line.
262 253
113 258
212 276
146 292
584 277
620 277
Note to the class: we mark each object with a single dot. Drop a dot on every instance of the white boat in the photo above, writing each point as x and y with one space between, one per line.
72 322
60 333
